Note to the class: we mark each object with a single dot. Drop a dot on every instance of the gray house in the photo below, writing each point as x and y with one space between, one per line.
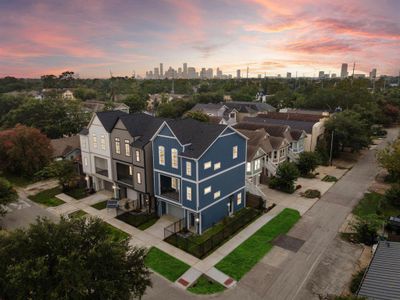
131 154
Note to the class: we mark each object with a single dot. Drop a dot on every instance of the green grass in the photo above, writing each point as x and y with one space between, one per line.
116 234
140 221
47 197
77 193
165 264
205 286
77 214
101 205
148 224
246 255
374 203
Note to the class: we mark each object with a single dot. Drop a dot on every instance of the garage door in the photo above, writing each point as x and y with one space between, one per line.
131 194
175 211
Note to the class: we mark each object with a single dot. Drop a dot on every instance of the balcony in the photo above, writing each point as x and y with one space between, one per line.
101 166
124 174
169 188
103 172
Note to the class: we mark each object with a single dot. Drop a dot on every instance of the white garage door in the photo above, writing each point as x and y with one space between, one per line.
131 194
175 211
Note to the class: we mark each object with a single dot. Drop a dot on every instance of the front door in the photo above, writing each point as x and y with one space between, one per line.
230 206
163 208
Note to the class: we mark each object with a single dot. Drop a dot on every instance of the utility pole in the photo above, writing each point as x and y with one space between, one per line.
352 77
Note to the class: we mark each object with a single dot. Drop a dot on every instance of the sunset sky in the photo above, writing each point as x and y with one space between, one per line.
92 37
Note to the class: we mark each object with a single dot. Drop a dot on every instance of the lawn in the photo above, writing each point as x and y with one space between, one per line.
205 286
374 203
47 197
140 221
116 234
77 193
101 205
165 265
77 214
246 255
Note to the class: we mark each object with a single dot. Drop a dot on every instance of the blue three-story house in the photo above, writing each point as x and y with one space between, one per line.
199 172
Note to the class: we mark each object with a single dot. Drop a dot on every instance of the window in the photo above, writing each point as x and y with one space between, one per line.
161 155
257 164
188 168
174 158
130 170
127 148
94 137
117 146
275 154
174 183
217 194
188 193
207 190
103 142
235 152
137 155
85 161
248 167
217 166
139 178
239 199
207 165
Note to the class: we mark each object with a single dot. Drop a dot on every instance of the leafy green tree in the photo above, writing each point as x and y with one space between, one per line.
7 194
389 158
63 170
286 175
210 97
72 259
24 150
366 228
174 109
392 195
49 81
197 115
85 93
307 162
135 103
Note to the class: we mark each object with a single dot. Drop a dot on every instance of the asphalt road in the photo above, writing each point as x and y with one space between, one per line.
284 274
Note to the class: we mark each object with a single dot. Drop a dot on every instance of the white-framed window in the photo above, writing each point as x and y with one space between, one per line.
103 142
248 167
94 139
207 190
130 170
217 194
282 152
174 158
235 152
161 155
275 154
127 148
139 178
257 164
188 168
174 183
117 146
137 155
217 166
239 199
207 165
85 161
188 193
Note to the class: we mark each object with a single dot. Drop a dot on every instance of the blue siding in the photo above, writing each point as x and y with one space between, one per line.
185 202
193 164
166 131
222 151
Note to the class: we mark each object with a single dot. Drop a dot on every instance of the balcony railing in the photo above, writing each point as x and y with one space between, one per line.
125 179
172 195
101 171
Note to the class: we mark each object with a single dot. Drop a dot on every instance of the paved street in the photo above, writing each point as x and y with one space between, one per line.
283 274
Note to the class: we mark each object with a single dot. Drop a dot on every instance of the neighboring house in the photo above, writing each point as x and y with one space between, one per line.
66 148
249 109
132 162
156 99
92 106
218 113
199 172
382 278
95 148
68 95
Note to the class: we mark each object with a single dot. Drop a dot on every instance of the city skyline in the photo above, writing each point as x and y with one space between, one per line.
49 37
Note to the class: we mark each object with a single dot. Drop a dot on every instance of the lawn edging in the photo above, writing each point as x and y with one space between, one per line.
253 249
48 197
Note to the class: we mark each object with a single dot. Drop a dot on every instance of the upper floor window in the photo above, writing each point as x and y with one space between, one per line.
137 155
139 178
117 146
188 168
217 194
103 142
207 165
161 155
248 167
275 154
217 166
239 199
257 164
94 138
127 148
174 183
188 193
130 170
282 152
235 152
174 158
85 161
207 190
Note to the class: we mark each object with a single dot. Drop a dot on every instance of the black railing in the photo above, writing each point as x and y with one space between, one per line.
174 228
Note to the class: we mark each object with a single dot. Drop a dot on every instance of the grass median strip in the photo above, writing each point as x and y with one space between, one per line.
101 205
165 264
48 197
246 255
205 286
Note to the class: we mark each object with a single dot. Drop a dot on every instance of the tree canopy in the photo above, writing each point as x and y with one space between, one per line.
7 194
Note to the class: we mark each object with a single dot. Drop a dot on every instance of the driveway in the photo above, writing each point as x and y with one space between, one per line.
314 269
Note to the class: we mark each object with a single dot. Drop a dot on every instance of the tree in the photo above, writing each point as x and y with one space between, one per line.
85 93
24 150
135 103
7 194
72 259
210 97
366 228
63 170
389 158
392 195
307 162
286 175
49 81
197 115
174 109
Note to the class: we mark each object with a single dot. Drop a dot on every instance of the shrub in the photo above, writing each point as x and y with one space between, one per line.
286 175
312 194
329 178
356 280
307 162
392 195
366 228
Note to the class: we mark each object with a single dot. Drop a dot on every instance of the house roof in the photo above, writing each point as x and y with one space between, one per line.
214 119
300 125
296 134
272 129
292 115
141 126
97 105
249 107
84 131
198 134
109 118
64 146
382 279
277 142
257 139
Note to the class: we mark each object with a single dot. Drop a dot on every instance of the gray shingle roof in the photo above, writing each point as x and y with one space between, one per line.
382 279
272 129
243 106
301 125
109 118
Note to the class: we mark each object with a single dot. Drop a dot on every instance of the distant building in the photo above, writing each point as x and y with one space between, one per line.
192 74
321 74
343 72
218 113
333 75
156 73
68 95
203 73
185 71
219 73
238 74
359 76
372 74
210 73
288 75
161 70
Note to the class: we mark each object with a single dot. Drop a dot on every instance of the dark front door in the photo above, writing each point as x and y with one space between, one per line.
163 208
